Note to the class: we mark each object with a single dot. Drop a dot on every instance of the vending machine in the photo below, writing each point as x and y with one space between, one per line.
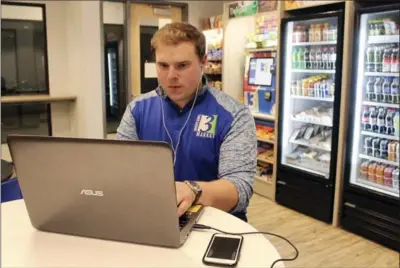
371 183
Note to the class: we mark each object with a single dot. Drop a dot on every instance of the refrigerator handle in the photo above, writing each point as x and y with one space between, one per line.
347 204
281 182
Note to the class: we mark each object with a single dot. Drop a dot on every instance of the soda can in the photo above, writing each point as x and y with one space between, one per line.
383 149
387 176
368 146
379 174
392 151
372 172
395 179
364 170
376 147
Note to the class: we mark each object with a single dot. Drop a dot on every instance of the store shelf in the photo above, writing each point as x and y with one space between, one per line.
305 143
265 160
274 48
265 140
311 122
312 98
382 74
381 104
262 180
383 39
263 116
383 161
322 43
325 175
311 71
378 135
377 187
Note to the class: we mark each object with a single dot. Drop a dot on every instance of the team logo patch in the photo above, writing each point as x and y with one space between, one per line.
206 125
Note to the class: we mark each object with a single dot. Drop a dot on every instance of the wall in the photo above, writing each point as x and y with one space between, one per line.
202 9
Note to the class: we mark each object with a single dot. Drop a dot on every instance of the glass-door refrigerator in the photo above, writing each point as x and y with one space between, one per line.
371 205
309 112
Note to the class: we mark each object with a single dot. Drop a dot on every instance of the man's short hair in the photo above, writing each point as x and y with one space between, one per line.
179 32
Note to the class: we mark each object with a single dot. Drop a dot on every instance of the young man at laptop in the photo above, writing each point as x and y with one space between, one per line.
212 135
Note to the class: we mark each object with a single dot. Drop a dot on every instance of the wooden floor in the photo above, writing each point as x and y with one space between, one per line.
319 244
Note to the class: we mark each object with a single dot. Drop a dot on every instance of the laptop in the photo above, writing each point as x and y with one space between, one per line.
107 189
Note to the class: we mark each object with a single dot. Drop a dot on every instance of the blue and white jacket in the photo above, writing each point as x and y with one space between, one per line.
219 140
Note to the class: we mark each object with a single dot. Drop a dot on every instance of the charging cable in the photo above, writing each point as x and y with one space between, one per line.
206 227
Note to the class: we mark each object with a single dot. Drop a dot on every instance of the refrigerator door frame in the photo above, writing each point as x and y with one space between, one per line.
336 104
347 185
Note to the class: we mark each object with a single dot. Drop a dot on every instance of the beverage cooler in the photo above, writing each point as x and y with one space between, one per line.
311 65
371 188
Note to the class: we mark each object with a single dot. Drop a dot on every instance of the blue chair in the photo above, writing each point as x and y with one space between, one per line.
10 190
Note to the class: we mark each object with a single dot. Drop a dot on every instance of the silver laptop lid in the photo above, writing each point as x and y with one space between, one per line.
109 189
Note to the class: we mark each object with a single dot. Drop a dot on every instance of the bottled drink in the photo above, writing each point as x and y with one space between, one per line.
381 121
364 170
325 32
392 151
311 33
395 179
332 58
318 59
372 172
368 146
394 90
389 122
312 59
386 91
300 59
370 89
378 90
380 169
370 59
318 33
306 58
373 115
387 176
325 59
376 147
386 66
299 90
378 57
332 32
294 59
383 149
396 123
293 88
394 61
365 119
398 153
371 30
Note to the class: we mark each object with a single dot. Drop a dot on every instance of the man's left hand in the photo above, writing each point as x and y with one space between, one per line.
184 197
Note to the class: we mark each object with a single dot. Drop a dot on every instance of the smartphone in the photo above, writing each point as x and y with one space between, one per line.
223 250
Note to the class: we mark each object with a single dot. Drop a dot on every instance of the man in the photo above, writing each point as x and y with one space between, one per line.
212 135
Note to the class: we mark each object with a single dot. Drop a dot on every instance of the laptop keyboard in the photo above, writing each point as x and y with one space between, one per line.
184 219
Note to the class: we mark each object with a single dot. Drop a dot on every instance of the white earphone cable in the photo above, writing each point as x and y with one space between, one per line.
175 149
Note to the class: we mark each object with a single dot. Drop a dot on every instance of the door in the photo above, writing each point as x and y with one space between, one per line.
145 15
373 157
310 95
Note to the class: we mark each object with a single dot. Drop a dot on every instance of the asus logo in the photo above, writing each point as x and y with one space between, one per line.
91 192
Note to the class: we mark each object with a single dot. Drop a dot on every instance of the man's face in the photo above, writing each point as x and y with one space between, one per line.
179 71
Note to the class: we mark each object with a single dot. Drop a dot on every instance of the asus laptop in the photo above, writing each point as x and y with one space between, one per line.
107 189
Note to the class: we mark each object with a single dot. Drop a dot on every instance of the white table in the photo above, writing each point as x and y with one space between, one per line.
24 246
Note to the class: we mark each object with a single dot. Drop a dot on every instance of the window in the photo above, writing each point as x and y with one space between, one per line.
24 68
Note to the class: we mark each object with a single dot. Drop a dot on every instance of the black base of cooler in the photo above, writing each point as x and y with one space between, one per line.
372 219
306 196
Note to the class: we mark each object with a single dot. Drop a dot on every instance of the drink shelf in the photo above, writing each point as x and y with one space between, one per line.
382 74
312 71
309 145
311 122
382 136
383 39
298 166
381 104
377 187
383 161
312 98
322 43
